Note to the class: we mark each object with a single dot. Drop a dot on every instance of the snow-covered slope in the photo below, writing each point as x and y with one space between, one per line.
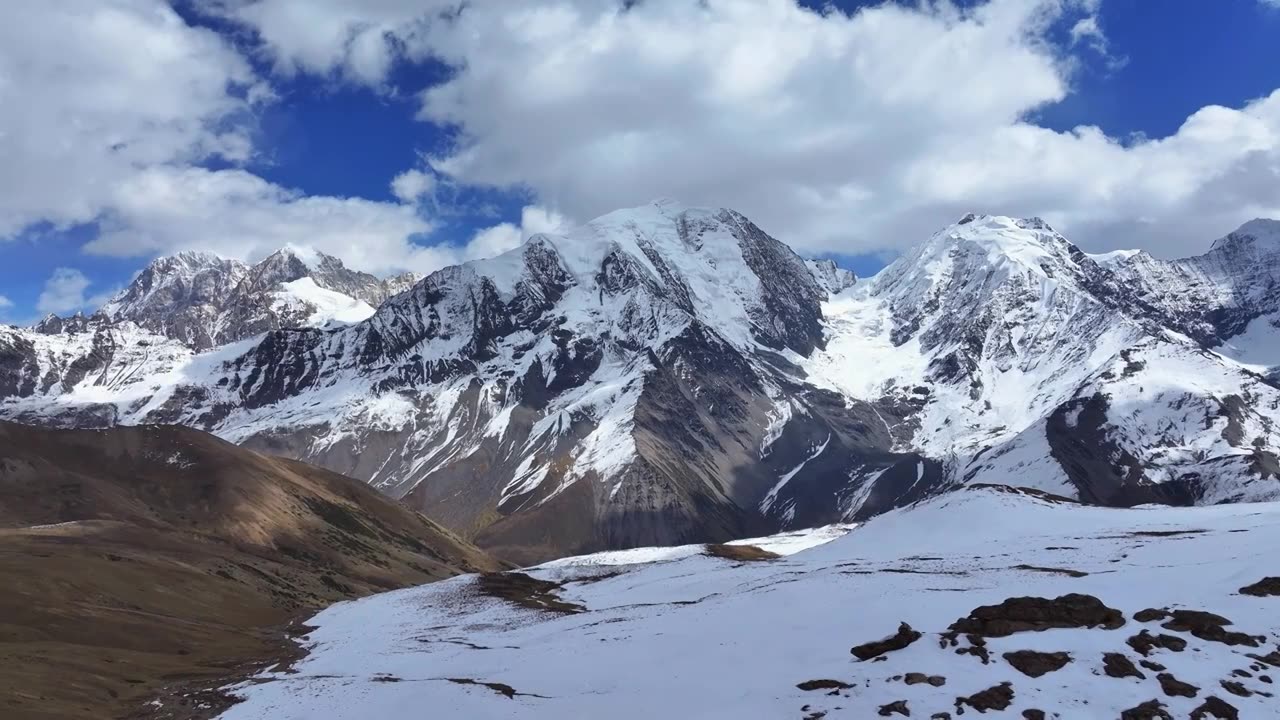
1025 360
667 375
1215 296
701 636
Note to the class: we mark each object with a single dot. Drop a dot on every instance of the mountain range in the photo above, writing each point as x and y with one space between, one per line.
666 375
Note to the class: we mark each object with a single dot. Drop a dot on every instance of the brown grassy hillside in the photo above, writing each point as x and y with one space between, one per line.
144 562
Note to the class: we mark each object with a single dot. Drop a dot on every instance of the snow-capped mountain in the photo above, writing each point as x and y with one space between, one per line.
1029 361
1227 298
205 301
666 374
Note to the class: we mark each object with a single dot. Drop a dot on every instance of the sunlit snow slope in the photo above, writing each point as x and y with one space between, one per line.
689 635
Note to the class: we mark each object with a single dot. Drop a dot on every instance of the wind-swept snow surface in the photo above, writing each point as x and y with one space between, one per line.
694 636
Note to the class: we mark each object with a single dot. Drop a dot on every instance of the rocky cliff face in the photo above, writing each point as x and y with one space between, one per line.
1215 296
1029 361
204 301
667 374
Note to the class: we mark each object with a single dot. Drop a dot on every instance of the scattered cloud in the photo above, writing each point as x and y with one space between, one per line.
411 186
64 293
357 42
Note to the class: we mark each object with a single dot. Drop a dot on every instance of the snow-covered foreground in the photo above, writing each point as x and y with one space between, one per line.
687 635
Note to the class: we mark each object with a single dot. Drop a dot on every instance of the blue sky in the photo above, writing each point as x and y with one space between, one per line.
331 127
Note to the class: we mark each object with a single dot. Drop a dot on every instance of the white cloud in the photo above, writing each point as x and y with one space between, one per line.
64 293
505 236
238 214
412 185
5 303
108 109
91 91
847 133
358 41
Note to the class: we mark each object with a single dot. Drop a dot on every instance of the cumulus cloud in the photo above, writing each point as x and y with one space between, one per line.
505 236
238 214
411 186
108 110
65 292
837 132
90 91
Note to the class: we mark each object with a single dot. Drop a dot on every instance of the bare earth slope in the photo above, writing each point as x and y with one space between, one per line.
144 560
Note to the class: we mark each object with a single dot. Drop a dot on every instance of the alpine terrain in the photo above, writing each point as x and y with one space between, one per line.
990 601
153 562
667 375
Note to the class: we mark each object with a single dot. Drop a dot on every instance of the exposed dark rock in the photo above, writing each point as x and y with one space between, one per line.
1054 571
940 716
1214 707
1236 688
1272 658
977 646
742 553
915 678
901 639
1144 642
897 707
1035 664
996 697
1149 710
1104 472
525 591
1150 615
500 688
1173 687
1266 587
1033 714
1208 626
1033 614
1117 665
811 685
1153 666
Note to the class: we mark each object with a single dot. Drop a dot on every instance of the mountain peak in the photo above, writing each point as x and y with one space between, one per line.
994 240
191 257
1260 232
304 254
